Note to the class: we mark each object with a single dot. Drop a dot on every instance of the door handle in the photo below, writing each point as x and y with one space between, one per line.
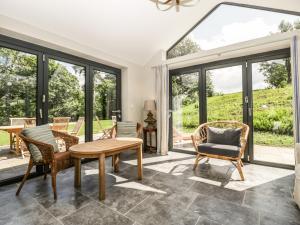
41 113
116 111
250 111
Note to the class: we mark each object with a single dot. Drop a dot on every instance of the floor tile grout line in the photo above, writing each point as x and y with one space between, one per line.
244 197
48 211
136 205
116 211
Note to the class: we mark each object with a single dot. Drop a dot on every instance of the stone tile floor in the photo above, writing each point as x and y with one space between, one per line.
170 193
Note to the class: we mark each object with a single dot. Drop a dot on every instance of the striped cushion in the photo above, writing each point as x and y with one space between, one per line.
126 129
43 134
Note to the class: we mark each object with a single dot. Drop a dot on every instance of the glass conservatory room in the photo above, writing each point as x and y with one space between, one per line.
148 112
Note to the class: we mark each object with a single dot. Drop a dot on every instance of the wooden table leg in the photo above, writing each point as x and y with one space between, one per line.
10 141
18 149
77 177
139 162
116 160
102 177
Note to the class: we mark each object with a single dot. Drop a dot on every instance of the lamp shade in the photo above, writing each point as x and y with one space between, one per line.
149 105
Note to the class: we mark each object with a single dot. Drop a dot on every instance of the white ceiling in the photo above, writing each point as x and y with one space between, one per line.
133 30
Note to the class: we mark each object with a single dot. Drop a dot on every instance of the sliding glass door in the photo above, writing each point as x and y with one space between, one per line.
255 90
43 86
106 102
224 93
18 104
185 109
272 111
66 96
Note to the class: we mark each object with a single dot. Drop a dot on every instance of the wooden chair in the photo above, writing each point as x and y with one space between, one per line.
56 161
139 131
113 134
77 126
105 131
29 122
61 124
200 136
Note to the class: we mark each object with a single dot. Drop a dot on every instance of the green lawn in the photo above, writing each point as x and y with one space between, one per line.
4 137
272 109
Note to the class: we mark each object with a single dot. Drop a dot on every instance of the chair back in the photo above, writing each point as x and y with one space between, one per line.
61 123
138 132
17 121
77 126
99 123
29 122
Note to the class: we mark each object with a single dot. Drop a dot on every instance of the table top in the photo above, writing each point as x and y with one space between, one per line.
9 128
105 146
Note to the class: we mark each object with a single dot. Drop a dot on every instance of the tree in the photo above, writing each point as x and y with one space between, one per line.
276 74
18 74
66 96
184 47
279 75
104 94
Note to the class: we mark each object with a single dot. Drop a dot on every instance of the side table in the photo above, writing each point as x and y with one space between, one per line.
146 132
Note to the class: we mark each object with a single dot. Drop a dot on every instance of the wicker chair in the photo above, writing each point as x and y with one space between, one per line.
200 136
57 161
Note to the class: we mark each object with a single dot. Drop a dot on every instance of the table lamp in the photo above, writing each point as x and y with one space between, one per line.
150 106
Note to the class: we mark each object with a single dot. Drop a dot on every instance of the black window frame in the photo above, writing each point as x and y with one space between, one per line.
246 62
43 54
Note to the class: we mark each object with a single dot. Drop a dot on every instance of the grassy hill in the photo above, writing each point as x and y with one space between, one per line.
272 113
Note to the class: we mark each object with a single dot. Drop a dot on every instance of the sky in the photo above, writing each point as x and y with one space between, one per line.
233 24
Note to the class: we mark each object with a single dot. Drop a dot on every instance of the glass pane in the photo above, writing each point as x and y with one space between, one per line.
18 79
233 24
105 103
185 100
273 111
66 97
224 90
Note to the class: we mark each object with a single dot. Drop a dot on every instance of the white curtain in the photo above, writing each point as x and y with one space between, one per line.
295 62
162 105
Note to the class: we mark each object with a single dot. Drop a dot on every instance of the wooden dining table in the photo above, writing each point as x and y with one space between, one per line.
14 130
101 149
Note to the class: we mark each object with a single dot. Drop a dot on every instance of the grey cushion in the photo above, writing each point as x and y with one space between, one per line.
43 134
224 136
126 129
217 149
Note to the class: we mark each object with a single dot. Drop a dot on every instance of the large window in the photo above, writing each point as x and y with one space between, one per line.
254 89
66 86
185 108
18 87
105 101
230 24
41 86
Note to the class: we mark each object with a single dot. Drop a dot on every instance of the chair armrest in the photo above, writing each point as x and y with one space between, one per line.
198 136
69 140
46 150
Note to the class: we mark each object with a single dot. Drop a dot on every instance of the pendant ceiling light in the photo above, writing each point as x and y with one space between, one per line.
165 5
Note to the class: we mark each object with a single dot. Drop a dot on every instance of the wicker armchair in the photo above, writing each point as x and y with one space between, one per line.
57 161
200 136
